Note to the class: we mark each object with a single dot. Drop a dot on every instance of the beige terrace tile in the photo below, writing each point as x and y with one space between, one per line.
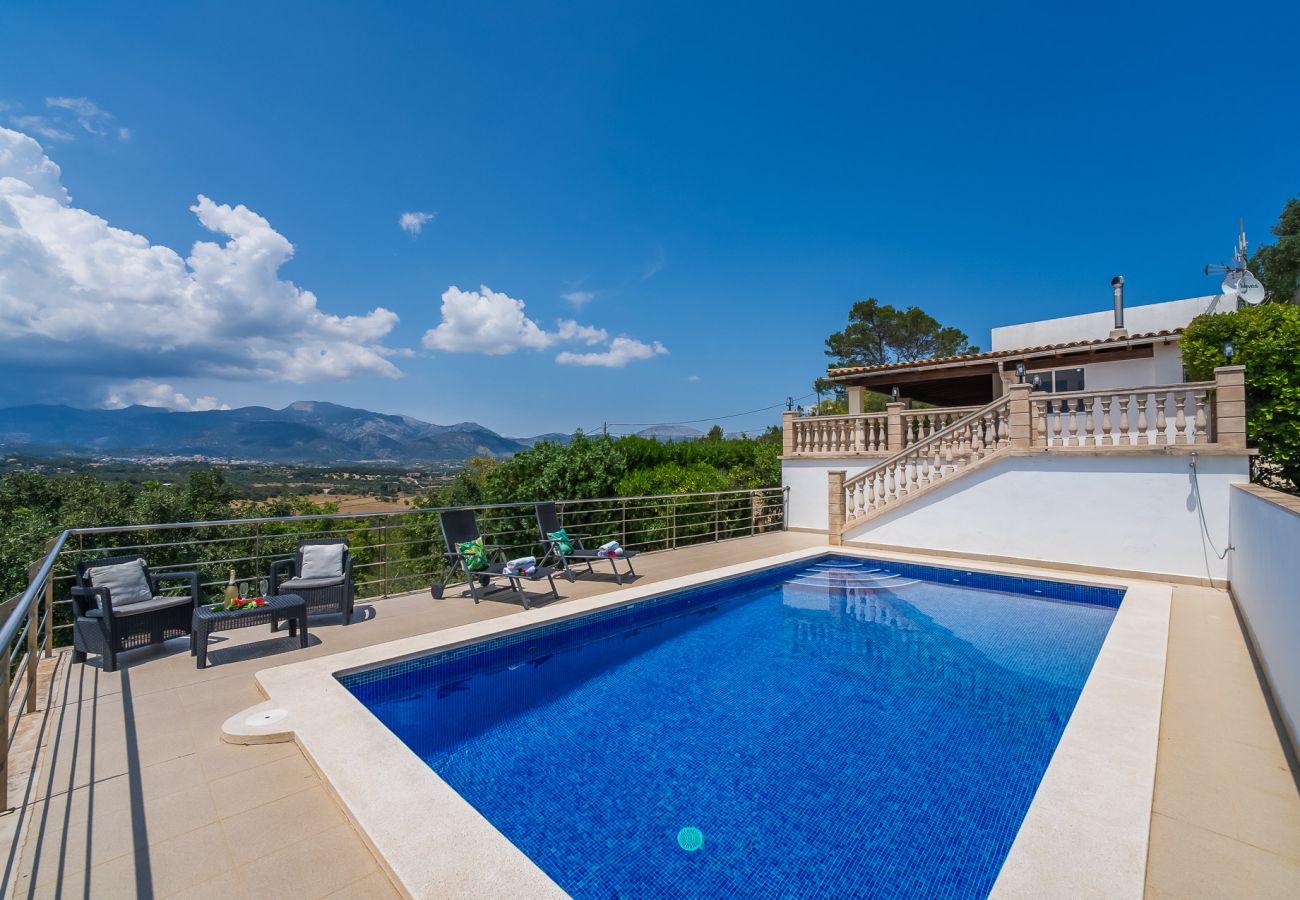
1190 863
253 787
374 886
170 867
310 868
104 822
220 760
303 814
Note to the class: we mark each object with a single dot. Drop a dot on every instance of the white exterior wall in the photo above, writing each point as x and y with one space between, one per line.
1097 325
1165 366
1264 569
1117 512
807 481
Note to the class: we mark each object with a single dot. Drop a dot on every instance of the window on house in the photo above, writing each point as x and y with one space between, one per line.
1068 380
1058 382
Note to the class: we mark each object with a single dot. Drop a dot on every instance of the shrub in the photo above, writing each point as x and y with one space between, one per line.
1266 340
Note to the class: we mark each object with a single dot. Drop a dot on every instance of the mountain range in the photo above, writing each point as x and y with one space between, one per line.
305 432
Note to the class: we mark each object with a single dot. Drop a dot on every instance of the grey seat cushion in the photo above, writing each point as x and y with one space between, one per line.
126 582
309 584
153 604
321 561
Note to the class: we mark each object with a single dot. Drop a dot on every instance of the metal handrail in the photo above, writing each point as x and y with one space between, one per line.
663 521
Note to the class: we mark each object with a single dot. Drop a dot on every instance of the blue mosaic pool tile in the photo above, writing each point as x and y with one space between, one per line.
827 734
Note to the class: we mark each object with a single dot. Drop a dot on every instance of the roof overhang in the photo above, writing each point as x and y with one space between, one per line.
959 380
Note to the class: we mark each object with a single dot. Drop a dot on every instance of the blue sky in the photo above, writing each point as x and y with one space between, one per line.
711 188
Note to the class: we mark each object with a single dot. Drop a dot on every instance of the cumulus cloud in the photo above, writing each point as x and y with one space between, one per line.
692 378
621 351
413 222
570 330
484 321
145 392
78 294
488 321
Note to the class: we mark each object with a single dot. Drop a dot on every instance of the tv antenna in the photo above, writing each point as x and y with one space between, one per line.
1240 286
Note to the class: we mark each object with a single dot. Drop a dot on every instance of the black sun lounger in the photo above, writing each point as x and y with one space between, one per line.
460 526
549 521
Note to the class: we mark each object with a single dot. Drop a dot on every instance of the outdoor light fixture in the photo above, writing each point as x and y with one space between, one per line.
1228 350
893 392
1020 372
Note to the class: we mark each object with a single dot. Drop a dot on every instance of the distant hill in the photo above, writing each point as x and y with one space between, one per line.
554 437
304 432
670 433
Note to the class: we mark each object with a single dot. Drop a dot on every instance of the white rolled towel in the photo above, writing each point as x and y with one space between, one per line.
524 565
610 548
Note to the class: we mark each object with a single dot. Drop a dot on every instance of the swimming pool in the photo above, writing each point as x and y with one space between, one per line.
839 725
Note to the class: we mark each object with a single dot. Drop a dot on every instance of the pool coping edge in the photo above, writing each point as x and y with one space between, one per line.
394 790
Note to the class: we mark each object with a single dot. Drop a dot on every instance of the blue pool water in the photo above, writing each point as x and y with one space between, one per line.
840 727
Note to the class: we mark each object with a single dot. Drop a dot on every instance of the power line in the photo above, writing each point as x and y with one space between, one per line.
749 412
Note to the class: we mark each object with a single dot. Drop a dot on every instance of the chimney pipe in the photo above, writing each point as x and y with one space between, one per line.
1117 285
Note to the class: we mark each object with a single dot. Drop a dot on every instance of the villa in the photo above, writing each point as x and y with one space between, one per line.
1028 632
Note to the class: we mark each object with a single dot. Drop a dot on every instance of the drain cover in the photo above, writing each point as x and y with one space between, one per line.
690 838
266 717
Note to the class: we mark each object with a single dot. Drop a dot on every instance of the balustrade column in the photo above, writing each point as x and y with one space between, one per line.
894 433
1230 406
1018 415
835 504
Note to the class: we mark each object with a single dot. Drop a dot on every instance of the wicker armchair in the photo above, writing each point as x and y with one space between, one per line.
333 593
105 626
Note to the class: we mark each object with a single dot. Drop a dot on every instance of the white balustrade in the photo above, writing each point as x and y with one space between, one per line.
935 454
838 435
1135 417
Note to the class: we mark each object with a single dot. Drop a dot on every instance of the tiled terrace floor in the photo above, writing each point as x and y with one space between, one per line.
137 796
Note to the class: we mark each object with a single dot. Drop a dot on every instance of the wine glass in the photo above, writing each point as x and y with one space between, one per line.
243 590
263 587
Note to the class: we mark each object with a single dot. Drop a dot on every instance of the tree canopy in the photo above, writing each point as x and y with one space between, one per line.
1266 340
1277 265
878 334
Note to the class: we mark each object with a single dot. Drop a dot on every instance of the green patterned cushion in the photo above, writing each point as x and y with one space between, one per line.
562 543
474 554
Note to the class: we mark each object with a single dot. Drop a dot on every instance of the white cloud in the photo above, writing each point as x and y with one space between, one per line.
145 392
43 126
89 117
570 330
487 321
484 321
621 351
692 378
413 222
77 293
579 298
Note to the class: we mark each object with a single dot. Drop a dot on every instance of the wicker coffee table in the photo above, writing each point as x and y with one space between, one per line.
285 607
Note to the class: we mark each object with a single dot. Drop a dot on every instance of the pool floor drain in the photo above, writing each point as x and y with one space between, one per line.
690 838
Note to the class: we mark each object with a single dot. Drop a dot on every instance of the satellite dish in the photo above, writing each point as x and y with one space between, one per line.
1238 284
1249 291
